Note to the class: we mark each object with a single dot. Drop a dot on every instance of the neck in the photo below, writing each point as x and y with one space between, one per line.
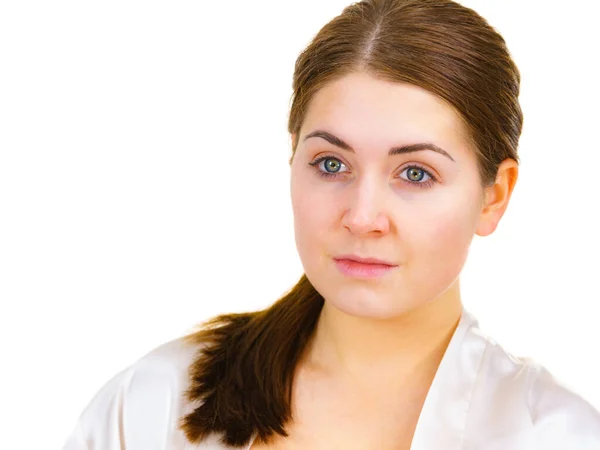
366 351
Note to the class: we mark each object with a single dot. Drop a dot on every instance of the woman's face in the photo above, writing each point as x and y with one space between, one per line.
416 210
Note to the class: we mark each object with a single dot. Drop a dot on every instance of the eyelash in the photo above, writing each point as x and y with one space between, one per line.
329 175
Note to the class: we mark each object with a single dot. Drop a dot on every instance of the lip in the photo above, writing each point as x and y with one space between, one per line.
364 260
352 268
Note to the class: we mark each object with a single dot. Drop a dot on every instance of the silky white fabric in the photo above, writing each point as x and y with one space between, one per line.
482 398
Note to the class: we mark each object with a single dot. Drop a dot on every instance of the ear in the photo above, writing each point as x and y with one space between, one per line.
497 196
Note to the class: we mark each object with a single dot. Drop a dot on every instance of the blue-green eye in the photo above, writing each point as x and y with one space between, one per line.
415 173
331 168
332 165
418 176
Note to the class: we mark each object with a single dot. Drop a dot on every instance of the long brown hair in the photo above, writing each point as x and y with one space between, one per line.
242 377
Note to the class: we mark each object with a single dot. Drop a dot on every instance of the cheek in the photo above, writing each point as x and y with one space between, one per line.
444 238
312 217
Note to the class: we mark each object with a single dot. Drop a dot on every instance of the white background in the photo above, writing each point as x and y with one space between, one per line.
144 188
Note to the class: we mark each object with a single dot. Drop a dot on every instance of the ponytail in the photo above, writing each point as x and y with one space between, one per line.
244 370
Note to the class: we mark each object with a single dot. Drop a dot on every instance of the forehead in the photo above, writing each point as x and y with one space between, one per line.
374 112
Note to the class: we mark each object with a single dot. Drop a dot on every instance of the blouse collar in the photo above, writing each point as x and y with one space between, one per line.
443 418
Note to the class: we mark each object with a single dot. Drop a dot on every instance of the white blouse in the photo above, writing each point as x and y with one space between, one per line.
482 398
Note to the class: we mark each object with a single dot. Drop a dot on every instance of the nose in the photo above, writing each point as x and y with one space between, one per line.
366 211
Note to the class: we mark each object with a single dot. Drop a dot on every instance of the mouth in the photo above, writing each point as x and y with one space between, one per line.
361 260
355 267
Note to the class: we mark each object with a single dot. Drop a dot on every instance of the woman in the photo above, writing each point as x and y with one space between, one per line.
405 125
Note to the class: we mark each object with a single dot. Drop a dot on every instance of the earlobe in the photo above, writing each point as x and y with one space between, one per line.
497 197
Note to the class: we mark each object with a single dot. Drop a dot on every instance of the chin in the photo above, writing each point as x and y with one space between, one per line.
363 304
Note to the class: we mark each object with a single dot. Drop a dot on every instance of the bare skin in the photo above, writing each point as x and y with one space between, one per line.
378 343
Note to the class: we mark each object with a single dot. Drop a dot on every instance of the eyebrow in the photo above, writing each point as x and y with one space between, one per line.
393 151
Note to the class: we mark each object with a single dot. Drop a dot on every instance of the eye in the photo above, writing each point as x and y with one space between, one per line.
331 166
416 174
